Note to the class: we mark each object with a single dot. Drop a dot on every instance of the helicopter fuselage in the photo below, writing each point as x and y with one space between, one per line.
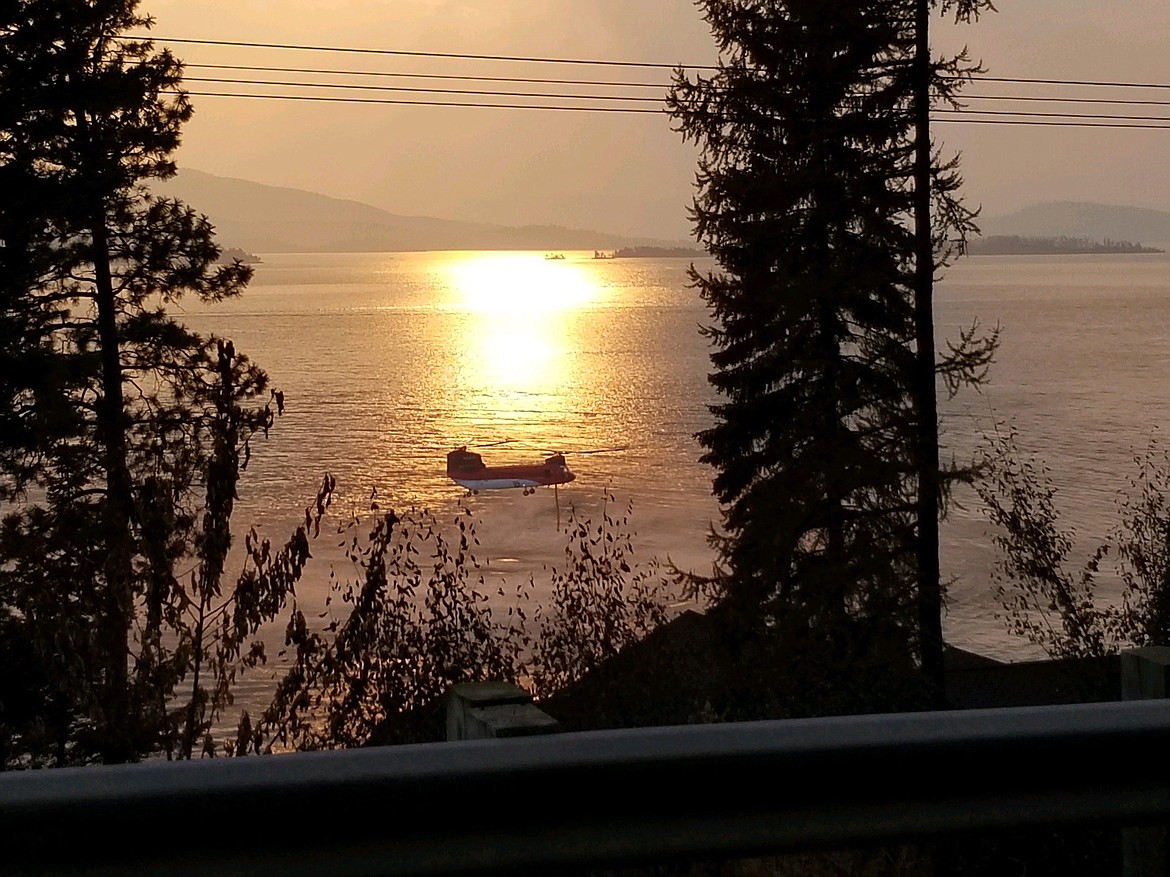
467 469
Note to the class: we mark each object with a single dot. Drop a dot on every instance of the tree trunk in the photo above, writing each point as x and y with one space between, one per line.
929 577
116 733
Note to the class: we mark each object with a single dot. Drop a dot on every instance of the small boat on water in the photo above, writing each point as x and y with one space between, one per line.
467 469
554 256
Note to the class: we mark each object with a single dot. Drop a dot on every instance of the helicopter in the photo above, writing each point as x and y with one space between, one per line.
467 469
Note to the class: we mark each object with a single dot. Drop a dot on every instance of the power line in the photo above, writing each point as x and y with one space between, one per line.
1065 100
416 54
1068 120
529 96
442 76
1046 124
1042 115
586 61
420 103
628 98
1072 82
456 91
639 98
448 77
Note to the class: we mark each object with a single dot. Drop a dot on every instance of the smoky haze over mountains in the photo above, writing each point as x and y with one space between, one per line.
270 219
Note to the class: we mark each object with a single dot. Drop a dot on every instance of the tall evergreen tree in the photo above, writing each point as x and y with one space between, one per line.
123 430
806 200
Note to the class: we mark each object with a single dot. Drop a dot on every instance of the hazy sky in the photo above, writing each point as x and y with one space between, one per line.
623 173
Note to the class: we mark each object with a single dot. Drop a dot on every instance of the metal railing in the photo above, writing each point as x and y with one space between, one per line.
597 799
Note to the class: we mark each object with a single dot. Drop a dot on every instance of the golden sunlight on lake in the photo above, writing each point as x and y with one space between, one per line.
521 284
522 322
388 361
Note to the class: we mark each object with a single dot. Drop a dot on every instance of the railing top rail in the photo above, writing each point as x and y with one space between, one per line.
699 790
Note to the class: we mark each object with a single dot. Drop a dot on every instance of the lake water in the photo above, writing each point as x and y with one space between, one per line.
388 361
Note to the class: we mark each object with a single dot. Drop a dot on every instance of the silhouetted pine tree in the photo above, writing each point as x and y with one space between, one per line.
806 197
123 431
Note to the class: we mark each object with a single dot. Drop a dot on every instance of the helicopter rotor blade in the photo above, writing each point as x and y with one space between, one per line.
493 444
590 451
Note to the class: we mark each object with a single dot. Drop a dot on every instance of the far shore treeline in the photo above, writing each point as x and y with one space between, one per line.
1062 245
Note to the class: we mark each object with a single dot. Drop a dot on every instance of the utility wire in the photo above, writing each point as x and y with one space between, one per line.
1071 82
580 82
1069 120
1064 100
1041 115
398 88
413 54
422 103
443 76
639 99
942 114
586 61
626 98
1051 124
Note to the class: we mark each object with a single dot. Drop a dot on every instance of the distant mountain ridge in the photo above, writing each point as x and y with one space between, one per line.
1079 219
272 219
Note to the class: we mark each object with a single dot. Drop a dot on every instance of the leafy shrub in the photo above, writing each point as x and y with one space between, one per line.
419 623
1065 612
600 603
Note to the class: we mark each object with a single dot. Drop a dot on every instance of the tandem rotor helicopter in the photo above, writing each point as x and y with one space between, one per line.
467 469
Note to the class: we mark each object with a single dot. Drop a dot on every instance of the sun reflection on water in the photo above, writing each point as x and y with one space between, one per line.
521 309
519 370
521 284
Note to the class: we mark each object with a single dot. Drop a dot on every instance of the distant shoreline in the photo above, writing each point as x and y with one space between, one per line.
657 253
1018 245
